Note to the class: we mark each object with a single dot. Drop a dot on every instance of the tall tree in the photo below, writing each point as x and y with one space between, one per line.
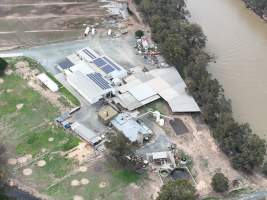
177 190
3 66
220 183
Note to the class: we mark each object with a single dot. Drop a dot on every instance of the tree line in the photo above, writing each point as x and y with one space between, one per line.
259 6
182 45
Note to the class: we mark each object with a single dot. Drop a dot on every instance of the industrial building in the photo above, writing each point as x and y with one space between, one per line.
86 133
96 77
142 88
134 130
48 82
90 74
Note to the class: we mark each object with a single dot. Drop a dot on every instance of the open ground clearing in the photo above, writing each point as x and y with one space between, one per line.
41 164
31 23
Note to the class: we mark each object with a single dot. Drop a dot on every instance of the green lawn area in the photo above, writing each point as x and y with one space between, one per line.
116 177
67 97
27 130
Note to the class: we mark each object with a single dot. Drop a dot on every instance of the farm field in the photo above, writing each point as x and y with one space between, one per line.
37 151
31 23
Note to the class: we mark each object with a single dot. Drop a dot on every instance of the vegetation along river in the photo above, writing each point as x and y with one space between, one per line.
238 39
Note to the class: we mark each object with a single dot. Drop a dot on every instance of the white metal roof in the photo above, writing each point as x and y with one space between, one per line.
159 155
86 87
129 127
164 82
142 91
82 67
48 82
85 133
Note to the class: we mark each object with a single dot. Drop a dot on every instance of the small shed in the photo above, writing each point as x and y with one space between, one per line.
131 128
159 157
86 133
106 114
48 82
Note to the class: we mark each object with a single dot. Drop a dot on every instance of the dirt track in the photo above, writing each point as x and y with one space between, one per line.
35 22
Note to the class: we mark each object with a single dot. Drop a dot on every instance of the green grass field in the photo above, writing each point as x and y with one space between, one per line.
67 97
27 130
116 178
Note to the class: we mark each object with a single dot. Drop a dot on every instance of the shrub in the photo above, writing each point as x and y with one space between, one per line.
220 183
3 66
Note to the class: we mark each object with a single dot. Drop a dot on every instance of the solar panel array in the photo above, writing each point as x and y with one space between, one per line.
65 64
106 65
107 69
99 80
99 62
88 53
112 64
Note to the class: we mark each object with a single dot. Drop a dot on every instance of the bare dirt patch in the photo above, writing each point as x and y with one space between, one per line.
103 184
41 163
84 181
1 81
22 160
12 161
83 169
19 106
75 183
81 153
77 197
27 172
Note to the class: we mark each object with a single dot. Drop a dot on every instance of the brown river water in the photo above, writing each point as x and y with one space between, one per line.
238 40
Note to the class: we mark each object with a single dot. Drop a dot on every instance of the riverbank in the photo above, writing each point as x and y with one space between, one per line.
261 11
184 49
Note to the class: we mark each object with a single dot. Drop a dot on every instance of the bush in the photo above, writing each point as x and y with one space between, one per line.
139 34
220 183
177 190
264 169
3 66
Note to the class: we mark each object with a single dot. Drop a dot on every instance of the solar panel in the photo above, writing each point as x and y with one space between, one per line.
99 62
112 64
107 69
99 80
89 53
65 64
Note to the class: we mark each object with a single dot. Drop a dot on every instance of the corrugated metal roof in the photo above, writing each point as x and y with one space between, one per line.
48 82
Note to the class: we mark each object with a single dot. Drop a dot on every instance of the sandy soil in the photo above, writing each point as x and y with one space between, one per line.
81 153
31 23
23 69
208 158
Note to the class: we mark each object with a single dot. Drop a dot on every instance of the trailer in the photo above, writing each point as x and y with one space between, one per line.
87 30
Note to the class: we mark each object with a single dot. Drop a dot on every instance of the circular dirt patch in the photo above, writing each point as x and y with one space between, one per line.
8 72
43 150
28 156
19 106
84 181
51 139
77 197
1 80
103 184
22 160
83 169
12 161
75 183
41 163
9 90
22 64
27 172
